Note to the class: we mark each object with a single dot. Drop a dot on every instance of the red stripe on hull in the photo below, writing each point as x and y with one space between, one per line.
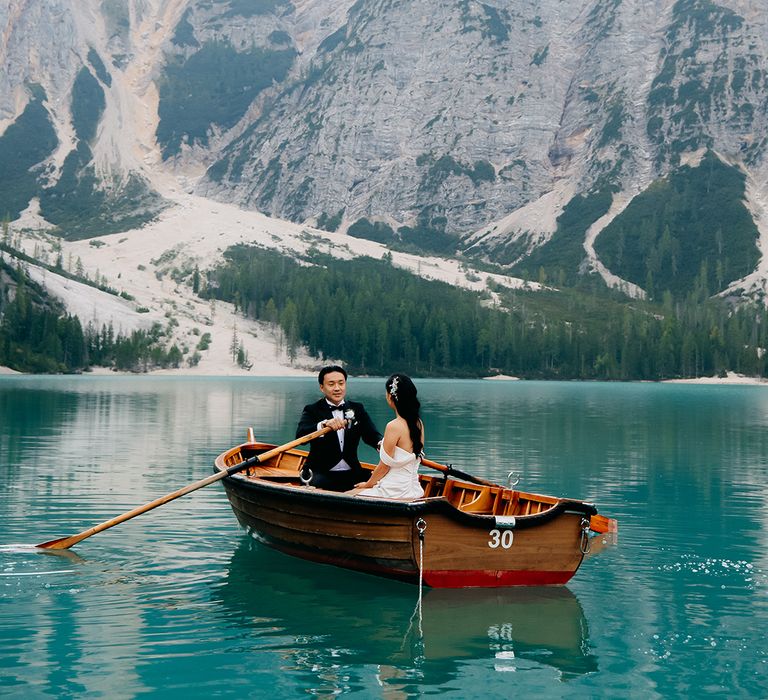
495 579
434 579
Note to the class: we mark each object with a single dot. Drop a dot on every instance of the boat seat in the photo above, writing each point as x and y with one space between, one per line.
462 495
432 485
527 506
483 502
273 473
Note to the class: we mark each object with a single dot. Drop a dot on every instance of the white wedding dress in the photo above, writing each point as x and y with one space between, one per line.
402 479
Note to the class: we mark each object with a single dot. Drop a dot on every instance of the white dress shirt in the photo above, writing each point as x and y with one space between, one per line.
342 466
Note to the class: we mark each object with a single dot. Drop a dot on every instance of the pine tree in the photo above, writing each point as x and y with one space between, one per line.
234 344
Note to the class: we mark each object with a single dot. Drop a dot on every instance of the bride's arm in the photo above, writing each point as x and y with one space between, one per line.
376 476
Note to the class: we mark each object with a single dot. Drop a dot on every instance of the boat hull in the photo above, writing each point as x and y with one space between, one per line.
452 548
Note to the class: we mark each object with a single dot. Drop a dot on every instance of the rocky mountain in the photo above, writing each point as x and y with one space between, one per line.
625 138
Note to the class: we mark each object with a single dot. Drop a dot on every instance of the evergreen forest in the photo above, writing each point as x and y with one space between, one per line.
688 230
37 336
379 319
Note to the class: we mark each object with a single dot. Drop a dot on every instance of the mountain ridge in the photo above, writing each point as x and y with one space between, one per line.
471 127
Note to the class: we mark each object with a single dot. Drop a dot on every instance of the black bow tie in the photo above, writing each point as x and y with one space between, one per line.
340 407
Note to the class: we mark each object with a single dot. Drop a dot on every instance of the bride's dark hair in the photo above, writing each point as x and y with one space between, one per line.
403 393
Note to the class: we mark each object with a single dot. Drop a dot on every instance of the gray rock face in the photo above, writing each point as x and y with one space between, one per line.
449 114
450 107
469 110
71 56
28 54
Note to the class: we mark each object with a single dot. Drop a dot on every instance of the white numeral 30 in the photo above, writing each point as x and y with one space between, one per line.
503 539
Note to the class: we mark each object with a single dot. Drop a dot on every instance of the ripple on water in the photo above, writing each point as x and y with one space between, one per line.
740 572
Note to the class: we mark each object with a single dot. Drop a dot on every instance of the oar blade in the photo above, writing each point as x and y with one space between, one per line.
60 543
602 524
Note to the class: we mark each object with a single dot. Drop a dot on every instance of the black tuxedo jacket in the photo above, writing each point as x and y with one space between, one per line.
325 452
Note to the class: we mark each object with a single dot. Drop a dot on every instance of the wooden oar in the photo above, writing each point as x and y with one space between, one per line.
67 542
446 469
603 525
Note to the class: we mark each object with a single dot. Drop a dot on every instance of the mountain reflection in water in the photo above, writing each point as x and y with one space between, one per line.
322 617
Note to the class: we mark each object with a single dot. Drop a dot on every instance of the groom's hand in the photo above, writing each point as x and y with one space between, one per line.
335 423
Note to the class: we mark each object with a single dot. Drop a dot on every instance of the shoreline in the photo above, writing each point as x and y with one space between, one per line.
732 379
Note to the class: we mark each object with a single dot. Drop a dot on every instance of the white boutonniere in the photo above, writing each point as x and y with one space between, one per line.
349 416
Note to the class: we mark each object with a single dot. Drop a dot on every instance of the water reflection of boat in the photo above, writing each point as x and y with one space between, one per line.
544 624
329 609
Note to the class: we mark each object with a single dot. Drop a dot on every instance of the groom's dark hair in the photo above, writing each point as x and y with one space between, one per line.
328 370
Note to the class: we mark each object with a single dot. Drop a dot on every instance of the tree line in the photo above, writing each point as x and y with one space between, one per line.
379 319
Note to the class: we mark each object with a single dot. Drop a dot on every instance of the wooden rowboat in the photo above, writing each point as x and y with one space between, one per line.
460 534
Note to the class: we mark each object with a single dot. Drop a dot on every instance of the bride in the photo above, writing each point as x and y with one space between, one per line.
396 475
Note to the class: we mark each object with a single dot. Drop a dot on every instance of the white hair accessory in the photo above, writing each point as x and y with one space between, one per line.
393 388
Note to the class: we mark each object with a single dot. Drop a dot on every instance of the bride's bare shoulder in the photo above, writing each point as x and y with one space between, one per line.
397 425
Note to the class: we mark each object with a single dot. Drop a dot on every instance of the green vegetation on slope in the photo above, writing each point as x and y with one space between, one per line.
79 203
24 144
185 32
440 169
249 8
380 319
686 232
215 85
427 236
36 335
558 260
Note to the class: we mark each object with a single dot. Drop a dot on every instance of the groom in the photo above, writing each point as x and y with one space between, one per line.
333 456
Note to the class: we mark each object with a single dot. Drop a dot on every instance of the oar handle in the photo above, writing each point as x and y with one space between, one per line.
264 456
447 469
67 542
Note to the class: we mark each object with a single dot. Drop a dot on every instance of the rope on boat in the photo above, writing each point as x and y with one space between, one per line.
421 526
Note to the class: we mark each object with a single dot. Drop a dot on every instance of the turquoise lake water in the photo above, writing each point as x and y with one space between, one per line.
180 602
